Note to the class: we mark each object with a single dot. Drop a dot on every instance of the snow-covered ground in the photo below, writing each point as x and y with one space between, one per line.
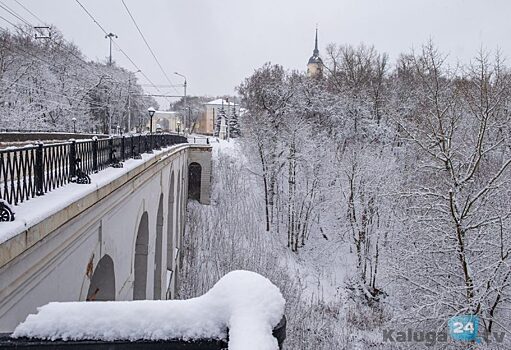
230 234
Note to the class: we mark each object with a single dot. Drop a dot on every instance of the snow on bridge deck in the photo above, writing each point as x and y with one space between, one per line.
38 216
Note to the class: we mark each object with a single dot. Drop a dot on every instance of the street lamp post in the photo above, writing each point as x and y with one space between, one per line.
74 125
151 112
184 86
178 124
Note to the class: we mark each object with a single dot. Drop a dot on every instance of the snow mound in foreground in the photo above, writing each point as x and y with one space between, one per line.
246 303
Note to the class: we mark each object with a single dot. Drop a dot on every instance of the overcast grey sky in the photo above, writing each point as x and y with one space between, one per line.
216 44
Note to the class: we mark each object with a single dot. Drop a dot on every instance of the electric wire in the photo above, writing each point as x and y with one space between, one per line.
118 47
81 61
5 19
82 100
13 13
30 12
29 54
84 104
148 46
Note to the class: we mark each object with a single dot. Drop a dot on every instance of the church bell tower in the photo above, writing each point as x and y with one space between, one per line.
315 65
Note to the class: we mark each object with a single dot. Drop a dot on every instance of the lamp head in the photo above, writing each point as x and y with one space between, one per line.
151 111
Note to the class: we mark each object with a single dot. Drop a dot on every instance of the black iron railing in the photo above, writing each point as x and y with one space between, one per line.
35 170
6 342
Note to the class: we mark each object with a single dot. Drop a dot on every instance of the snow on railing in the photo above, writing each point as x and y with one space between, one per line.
243 304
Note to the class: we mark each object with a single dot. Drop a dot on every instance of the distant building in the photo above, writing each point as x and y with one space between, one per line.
315 65
207 120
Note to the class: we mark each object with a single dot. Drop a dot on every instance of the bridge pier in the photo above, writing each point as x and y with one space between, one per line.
199 174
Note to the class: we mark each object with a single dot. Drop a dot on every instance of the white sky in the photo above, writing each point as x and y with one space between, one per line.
217 43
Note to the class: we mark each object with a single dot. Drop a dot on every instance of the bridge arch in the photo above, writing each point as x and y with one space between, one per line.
140 264
102 282
106 221
158 251
194 180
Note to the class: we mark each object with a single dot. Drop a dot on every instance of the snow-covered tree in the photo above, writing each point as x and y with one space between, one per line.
219 117
234 126
47 83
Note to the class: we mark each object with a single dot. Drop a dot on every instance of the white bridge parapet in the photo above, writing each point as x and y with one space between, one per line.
118 238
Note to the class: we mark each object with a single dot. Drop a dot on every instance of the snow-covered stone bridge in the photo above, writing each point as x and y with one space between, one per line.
118 238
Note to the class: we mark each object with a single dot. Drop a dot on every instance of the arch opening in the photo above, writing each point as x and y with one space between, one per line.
194 181
141 251
158 251
102 282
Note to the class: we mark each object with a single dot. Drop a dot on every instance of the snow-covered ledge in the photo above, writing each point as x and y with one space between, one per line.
244 302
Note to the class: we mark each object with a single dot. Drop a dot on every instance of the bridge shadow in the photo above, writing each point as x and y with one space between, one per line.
141 251
102 283
194 181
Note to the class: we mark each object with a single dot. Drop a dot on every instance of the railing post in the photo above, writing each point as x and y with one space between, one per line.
110 150
132 147
39 170
123 158
95 154
72 160
158 144
148 144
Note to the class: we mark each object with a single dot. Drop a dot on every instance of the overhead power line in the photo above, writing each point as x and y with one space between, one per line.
118 47
148 46
33 15
56 93
50 64
80 60
92 17
12 24
13 13
163 86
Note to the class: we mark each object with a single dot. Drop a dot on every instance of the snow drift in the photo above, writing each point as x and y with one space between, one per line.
244 302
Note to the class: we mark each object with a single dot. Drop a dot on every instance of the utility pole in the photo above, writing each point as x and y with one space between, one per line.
189 119
110 36
185 104
227 116
129 103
